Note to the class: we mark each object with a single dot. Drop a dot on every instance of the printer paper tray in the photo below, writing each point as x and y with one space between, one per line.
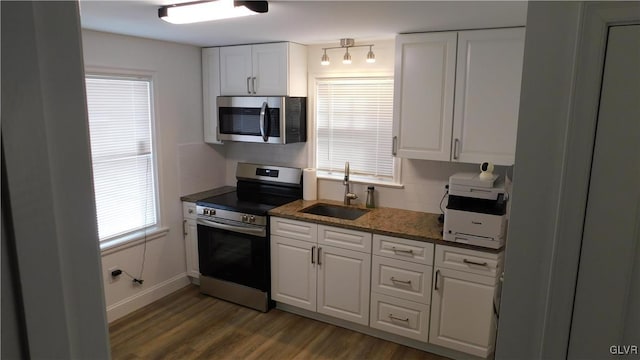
475 240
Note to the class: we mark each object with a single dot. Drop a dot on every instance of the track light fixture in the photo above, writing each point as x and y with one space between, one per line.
199 11
346 44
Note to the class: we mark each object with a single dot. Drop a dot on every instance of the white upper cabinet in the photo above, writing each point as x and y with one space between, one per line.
423 95
489 70
236 70
275 69
483 68
210 91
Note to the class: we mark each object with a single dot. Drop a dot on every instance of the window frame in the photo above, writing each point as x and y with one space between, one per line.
134 237
339 175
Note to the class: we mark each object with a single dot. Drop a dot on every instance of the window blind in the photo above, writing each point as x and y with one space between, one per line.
354 123
122 154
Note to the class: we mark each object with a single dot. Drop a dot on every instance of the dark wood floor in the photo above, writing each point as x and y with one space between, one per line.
189 325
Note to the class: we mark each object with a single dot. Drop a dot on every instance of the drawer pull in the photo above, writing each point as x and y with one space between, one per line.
406 282
396 250
474 263
397 318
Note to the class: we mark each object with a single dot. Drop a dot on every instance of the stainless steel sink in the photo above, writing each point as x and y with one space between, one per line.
335 211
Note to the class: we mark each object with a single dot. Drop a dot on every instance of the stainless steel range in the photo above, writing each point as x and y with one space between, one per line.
233 234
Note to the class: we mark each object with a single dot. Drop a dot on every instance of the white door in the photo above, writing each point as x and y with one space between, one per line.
462 316
344 283
235 70
423 95
293 272
191 248
210 92
606 313
270 69
488 77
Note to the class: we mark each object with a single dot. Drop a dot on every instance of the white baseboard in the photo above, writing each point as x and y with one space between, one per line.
146 297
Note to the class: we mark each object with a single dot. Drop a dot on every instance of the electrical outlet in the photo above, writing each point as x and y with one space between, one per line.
112 278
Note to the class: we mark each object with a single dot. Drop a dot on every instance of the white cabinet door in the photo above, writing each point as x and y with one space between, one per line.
294 229
487 96
344 284
235 70
401 279
210 92
344 238
399 316
270 69
190 233
462 316
293 272
191 247
423 95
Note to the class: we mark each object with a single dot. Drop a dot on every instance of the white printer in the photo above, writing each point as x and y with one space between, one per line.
476 210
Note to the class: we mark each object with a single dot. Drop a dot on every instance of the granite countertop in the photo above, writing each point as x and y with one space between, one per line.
385 221
208 193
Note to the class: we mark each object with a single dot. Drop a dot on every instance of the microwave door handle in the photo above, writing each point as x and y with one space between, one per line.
263 126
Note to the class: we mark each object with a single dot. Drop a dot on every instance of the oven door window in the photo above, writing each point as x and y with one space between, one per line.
246 121
233 257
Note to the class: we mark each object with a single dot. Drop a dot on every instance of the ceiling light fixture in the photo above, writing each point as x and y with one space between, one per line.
346 44
325 59
199 11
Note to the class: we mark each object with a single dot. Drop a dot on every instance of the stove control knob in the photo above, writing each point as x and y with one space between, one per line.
212 212
252 219
245 218
205 211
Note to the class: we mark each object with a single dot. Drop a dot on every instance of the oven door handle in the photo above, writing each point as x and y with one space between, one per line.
255 231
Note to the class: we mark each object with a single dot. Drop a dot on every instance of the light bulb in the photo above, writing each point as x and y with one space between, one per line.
325 59
371 57
347 58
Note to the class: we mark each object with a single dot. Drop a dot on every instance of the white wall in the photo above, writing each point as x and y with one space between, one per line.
423 180
185 163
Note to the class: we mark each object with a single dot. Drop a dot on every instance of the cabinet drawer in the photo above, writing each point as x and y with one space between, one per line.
189 210
403 249
401 279
398 316
294 229
344 238
477 262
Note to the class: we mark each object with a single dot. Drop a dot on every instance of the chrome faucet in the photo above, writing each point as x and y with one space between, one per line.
348 195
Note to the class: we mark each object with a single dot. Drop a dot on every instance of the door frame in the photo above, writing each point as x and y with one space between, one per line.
596 20
551 183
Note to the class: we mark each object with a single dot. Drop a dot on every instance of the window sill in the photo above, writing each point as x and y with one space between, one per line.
360 180
130 240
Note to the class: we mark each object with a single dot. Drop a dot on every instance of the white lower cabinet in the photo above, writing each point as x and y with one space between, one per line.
343 284
401 286
190 233
293 273
462 309
398 316
327 279
440 295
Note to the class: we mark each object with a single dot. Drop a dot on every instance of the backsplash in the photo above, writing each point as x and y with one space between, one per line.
294 155
424 186
424 180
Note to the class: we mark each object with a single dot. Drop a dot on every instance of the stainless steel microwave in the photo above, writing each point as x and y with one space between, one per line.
273 120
